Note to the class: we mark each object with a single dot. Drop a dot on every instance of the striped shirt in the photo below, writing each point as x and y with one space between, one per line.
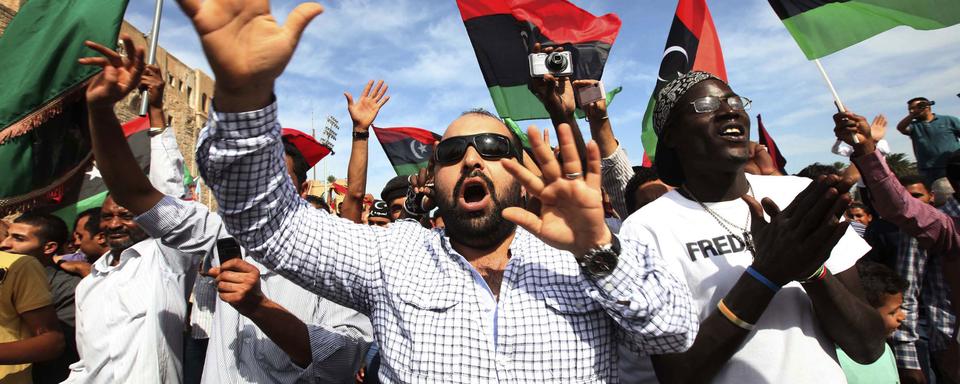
552 323
239 352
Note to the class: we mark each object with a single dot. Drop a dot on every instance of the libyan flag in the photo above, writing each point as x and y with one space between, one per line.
87 189
44 139
822 27
503 32
409 149
692 45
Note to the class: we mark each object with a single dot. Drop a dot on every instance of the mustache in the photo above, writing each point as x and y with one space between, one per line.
475 173
109 232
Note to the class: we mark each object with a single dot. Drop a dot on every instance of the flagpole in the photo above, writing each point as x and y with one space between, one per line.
152 54
836 97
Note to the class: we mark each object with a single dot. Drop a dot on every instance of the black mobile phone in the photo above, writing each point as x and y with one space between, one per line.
227 249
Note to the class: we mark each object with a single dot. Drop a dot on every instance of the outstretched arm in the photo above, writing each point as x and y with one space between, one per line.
240 155
362 112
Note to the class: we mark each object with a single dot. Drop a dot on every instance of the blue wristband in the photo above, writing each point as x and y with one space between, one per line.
756 275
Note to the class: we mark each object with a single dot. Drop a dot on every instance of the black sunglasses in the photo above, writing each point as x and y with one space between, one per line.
491 146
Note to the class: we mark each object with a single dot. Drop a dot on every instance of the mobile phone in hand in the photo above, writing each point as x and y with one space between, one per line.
227 249
590 94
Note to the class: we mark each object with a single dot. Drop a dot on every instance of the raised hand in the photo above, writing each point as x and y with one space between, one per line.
365 110
760 162
878 127
596 110
571 204
119 77
152 81
245 46
849 125
556 94
422 185
798 240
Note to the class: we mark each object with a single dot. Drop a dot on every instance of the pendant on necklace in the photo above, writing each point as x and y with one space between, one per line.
748 242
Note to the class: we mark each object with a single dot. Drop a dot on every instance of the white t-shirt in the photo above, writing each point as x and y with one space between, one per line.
788 345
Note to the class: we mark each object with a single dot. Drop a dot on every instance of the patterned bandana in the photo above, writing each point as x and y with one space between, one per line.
673 91
379 209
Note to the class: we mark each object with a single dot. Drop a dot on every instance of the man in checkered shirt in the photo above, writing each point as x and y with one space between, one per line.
482 301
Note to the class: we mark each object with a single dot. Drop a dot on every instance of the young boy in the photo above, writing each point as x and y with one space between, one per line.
884 291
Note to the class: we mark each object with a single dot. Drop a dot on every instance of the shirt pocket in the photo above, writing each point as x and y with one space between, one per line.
576 328
433 324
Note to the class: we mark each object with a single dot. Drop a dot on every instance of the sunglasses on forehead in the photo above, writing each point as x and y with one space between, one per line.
491 146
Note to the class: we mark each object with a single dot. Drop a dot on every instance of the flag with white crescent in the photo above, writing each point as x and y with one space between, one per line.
409 149
692 44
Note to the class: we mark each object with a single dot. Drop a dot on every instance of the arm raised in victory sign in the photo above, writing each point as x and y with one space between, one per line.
652 306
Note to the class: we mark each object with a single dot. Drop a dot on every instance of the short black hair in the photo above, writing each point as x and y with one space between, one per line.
924 99
51 228
909 179
641 175
317 200
93 223
815 170
300 166
517 142
878 281
859 205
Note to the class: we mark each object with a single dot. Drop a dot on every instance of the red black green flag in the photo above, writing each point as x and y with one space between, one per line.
692 44
409 149
822 27
86 189
774 151
503 32
44 141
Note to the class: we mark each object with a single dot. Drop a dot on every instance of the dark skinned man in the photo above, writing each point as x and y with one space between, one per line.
439 310
726 250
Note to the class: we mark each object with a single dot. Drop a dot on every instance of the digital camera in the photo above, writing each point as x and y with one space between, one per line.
554 63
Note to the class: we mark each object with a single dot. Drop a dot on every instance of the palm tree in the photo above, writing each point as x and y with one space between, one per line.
839 165
331 179
900 165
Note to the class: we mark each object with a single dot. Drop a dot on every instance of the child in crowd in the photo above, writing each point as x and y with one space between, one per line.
884 291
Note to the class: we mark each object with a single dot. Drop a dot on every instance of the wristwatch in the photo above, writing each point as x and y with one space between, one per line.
601 261
361 135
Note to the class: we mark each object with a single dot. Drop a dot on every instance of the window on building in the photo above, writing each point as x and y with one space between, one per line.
189 93
203 103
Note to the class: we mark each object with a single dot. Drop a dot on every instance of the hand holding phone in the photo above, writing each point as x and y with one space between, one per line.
227 249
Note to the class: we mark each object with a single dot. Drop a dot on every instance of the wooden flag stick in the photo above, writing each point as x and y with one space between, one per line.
836 97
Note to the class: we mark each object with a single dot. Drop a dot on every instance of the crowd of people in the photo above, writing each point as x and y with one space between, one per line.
498 262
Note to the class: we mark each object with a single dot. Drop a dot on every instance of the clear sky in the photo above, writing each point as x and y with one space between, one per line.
421 49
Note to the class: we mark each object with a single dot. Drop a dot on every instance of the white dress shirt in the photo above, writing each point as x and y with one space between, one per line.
552 323
130 317
239 352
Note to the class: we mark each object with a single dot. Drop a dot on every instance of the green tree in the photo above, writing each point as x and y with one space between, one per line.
331 178
900 164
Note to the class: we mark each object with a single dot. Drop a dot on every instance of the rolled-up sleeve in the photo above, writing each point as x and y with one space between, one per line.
615 173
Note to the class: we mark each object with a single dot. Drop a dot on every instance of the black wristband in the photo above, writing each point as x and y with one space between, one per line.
361 135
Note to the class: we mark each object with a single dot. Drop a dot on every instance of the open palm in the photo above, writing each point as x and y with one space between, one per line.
242 40
571 212
365 109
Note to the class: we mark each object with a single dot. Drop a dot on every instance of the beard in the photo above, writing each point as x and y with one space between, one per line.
479 229
134 236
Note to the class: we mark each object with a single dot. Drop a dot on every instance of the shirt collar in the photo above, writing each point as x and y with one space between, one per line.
102 265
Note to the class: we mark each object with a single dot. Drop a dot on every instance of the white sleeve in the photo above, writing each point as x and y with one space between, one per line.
166 164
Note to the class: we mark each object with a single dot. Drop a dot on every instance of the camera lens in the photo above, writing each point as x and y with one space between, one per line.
556 62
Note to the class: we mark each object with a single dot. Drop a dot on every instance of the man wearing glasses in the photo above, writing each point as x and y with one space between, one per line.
483 300
934 137
768 313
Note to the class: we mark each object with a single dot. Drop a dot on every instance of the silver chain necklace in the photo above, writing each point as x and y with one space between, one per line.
746 238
